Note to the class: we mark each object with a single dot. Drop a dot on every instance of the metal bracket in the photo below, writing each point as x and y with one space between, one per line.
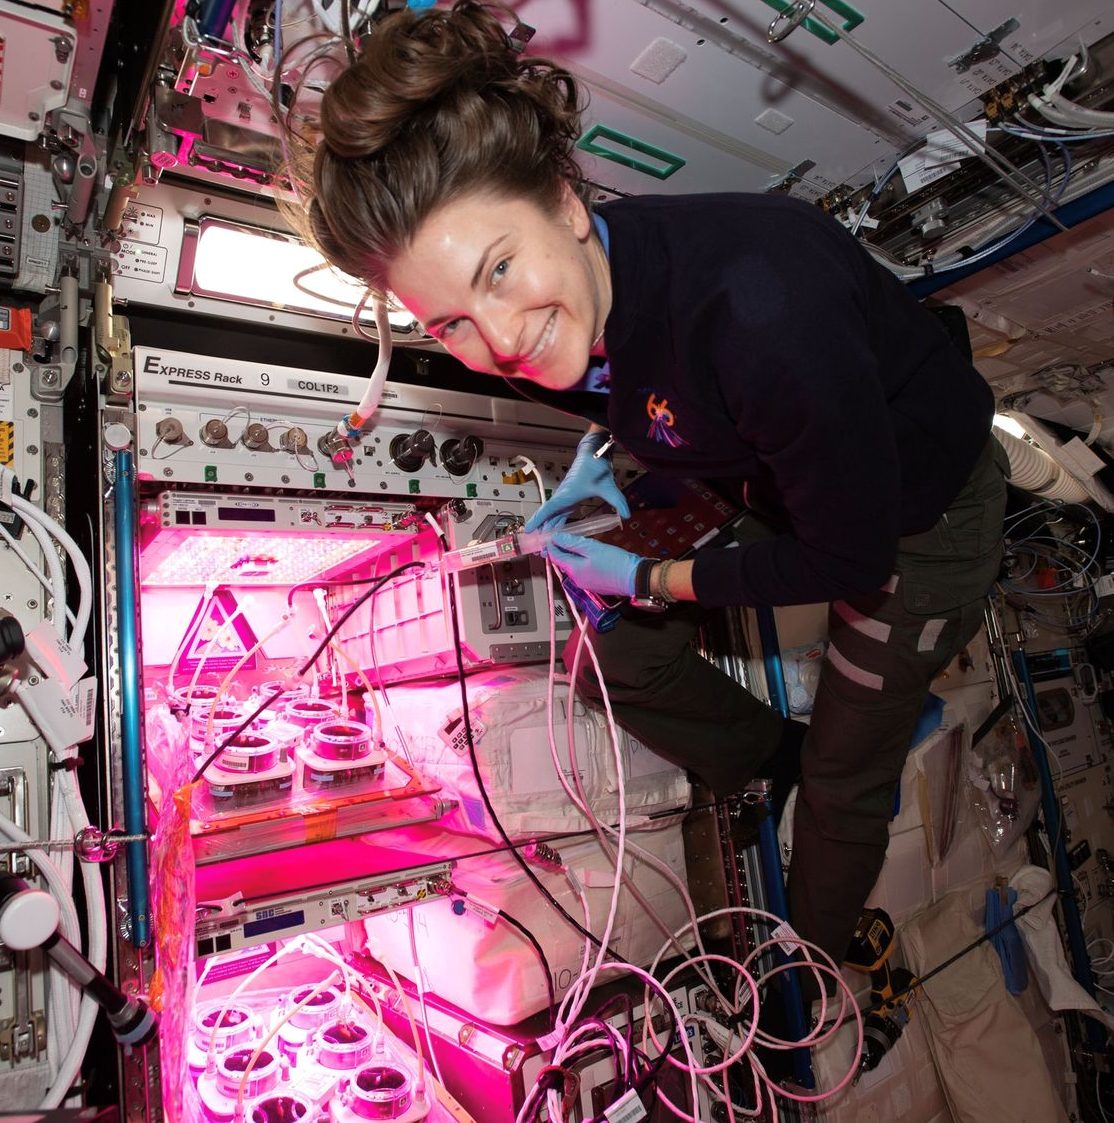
989 46
22 1040
113 345
225 908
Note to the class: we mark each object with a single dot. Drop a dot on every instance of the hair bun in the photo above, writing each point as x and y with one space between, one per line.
437 104
408 65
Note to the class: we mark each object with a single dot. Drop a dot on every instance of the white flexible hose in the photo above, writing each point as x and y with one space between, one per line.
70 1064
187 636
54 573
212 642
64 997
369 403
98 944
1033 470
35 571
84 575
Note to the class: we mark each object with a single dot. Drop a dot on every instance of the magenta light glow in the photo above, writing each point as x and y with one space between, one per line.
194 557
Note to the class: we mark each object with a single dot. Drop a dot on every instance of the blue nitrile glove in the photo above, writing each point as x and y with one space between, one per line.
587 478
593 565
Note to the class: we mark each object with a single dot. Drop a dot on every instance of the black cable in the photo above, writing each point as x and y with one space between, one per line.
995 716
538 949
626 1004
540 952
649 1078
339 583
346 31
526 867
340 622
621 1068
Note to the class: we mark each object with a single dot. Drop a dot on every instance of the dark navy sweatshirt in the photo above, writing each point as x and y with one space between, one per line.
754 342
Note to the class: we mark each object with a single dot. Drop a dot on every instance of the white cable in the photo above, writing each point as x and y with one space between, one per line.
604 830
1051 103
95 911
70 1065
369 403
579 799
429 518
419 983
57 591
65 998
77 559
217 636
187 636
583 985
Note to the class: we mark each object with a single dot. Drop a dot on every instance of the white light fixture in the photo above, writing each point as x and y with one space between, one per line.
249 265
1008 424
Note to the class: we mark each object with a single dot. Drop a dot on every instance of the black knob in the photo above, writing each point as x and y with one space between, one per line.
410 451
458 456
11 637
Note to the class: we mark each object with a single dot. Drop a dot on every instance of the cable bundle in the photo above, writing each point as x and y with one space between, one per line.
70 1024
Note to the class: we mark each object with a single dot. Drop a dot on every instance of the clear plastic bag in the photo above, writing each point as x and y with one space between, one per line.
1003 783
801 666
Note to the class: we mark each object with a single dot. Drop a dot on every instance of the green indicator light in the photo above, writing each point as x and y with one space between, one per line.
471 491
666 164
415 487
210 473
318 479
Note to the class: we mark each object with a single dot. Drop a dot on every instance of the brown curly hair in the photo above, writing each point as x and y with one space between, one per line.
436 106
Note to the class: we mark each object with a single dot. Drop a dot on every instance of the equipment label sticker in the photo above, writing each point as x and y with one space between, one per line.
144 263
142 224
178 369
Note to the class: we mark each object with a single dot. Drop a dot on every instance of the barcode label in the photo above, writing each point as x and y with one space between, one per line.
85 700
487 914
787 938
626 1109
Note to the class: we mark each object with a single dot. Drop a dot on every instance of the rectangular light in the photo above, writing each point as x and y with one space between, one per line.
268 269
187 557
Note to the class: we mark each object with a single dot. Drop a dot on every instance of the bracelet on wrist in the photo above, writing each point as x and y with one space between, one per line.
663 582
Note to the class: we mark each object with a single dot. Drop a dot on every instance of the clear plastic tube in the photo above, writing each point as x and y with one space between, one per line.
524 542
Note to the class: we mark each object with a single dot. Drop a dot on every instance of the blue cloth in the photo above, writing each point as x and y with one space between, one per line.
1007 943
929 721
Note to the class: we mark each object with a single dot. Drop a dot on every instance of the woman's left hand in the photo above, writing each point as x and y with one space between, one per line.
593 565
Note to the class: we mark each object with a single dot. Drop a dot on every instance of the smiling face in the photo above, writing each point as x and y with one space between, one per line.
507 287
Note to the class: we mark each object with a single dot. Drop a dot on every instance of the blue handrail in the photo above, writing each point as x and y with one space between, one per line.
127 614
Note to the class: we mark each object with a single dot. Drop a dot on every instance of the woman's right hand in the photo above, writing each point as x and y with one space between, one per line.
589 477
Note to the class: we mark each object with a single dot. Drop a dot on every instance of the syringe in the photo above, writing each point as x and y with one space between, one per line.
523 542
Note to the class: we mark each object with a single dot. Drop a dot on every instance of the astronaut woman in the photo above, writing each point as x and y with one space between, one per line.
749 341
